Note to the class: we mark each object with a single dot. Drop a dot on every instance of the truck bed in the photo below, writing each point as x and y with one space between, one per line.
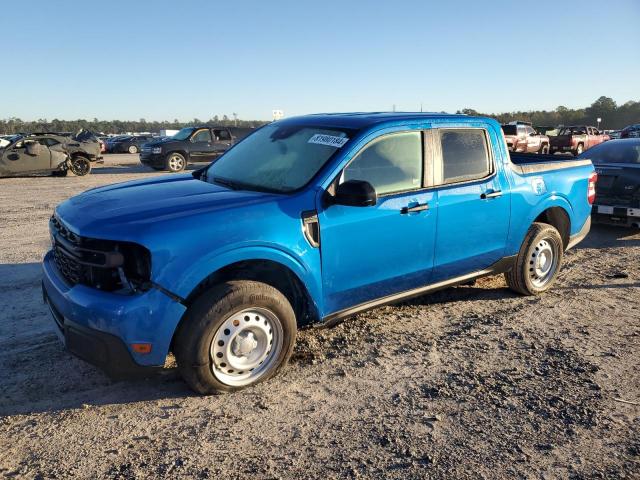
535 163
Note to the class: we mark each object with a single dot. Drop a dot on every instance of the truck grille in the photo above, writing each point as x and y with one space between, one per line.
67 263
103 264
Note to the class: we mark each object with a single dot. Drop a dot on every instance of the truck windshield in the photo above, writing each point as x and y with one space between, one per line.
184 133
277 158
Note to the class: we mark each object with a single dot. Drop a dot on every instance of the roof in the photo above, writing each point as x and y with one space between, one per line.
358 120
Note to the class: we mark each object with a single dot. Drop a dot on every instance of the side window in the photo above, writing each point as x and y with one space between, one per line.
222 135
203 135
391 163
522 131
465 155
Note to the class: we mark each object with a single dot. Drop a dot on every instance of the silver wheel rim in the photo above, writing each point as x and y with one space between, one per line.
132 149
579 149
543 262
176 162
246 346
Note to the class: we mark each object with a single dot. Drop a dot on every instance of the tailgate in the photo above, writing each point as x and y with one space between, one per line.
618 185
560 141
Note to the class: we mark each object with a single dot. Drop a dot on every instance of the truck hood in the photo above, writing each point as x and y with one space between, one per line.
107 212
164 141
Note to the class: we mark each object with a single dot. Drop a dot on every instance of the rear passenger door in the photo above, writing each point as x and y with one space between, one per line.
27 156
473 202
222 139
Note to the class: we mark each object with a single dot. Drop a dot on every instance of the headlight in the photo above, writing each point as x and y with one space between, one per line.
156 150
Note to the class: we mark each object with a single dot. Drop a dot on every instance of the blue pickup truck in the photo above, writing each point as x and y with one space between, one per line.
307 220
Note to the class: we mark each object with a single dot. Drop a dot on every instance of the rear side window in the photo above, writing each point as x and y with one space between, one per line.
391 163
465 155
222 135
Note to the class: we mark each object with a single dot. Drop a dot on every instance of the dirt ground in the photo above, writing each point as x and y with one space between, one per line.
471 382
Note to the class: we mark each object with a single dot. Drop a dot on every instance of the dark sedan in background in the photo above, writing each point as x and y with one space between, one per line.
127 143
617 163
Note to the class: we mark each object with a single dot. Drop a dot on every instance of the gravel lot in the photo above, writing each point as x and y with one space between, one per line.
471 382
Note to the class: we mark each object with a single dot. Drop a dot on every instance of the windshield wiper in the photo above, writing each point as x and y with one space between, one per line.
236 185
225 182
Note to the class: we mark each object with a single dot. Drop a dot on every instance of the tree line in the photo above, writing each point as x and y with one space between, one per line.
613 117
16 125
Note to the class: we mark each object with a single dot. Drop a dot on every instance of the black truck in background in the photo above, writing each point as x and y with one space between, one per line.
191 144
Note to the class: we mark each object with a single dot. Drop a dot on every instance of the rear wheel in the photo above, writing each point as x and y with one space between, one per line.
176 162
538 262
236 334
579 149
80 166
545 149
133 149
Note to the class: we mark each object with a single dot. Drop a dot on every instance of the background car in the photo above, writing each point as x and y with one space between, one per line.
632 131
128 143
522 137
576 139
617 163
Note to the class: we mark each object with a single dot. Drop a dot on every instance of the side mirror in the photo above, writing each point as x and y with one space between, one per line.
533 134
355 193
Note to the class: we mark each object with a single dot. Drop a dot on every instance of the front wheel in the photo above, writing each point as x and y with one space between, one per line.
235 335
133 149
80 166
176 162
579 149
538 262
544 150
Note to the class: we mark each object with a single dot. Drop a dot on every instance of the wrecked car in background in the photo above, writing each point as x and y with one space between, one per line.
49 152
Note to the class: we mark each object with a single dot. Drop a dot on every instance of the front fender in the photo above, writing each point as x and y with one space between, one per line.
307 272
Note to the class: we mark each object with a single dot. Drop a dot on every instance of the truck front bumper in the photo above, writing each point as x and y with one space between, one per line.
157 160
100 327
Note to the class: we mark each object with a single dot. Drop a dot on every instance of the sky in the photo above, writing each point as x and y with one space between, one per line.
186 59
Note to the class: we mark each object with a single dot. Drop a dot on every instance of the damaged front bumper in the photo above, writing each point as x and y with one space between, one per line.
101 327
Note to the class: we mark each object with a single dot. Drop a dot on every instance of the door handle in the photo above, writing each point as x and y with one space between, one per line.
415 208
493 194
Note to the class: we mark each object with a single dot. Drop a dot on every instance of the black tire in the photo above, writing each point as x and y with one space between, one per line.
544 150
175 162
524 278
132 149
205 319
579 150
80 166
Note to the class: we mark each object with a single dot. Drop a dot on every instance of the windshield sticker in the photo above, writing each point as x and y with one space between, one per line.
329 140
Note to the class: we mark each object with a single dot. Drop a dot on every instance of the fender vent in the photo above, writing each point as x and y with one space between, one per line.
311 227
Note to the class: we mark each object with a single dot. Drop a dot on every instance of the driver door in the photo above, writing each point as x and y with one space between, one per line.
27 156
375 251
203 149
533 140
